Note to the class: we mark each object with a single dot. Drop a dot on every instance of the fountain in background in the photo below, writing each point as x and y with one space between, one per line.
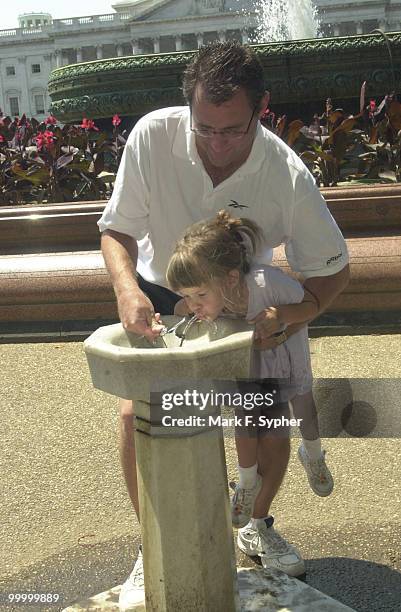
280 20
301 74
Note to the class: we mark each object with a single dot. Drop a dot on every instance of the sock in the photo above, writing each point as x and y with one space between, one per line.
261 522
247 476
313 448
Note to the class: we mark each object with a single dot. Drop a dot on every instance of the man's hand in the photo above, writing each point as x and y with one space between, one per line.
137 314
136 311
266 323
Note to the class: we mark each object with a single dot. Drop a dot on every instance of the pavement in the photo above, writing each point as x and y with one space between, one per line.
67 526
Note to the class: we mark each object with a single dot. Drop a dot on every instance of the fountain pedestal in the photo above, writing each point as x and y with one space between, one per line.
188 551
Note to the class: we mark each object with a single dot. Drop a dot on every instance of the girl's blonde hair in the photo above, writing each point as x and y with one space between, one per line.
210 249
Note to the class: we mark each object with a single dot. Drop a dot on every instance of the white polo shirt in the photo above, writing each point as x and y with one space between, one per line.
162 187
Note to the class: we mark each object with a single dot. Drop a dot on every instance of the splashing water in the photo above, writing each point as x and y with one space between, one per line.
284 20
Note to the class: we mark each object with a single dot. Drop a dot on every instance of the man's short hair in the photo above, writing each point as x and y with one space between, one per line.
222 68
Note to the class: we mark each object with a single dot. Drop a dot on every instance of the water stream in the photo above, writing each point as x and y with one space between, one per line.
284 20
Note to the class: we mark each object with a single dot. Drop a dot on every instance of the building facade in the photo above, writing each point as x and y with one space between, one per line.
40 44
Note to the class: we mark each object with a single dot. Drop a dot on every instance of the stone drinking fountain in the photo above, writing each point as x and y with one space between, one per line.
189 561
187 540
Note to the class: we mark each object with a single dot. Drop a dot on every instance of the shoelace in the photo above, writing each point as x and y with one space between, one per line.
272 539
318 467
242 497
138 579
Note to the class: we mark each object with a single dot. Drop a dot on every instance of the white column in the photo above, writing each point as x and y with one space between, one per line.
222 35
359 27
135 46
336 29
156 44
2 90
25 102
57 54
244 36
383 25
120 51
99 52
178 42
199 39
78 51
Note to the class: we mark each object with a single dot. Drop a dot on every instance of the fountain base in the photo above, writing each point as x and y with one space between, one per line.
259 590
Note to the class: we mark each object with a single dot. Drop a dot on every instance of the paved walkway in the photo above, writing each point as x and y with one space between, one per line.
67 524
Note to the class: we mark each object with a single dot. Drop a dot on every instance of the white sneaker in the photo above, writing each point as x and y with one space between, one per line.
242 502
273 551
320 479
133 590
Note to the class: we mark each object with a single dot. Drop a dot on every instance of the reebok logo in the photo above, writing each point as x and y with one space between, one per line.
235 204
333 259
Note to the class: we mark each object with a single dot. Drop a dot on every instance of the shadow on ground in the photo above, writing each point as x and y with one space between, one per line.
362 585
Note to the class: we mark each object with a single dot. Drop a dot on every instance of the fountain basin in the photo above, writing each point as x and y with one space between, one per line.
125 364
300 74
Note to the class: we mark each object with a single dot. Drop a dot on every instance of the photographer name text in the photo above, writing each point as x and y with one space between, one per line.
236 421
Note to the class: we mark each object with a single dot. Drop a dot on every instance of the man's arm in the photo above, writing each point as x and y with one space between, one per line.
322 290
136 312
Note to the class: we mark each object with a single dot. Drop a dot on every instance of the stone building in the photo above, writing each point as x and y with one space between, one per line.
346 18
28 53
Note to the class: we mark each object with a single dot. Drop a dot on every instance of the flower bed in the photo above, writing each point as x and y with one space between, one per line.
43 162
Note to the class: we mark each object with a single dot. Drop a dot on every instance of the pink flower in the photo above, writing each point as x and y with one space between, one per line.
268 116
50 120
2 139
88 124
44 140
266 113
372 108
116 120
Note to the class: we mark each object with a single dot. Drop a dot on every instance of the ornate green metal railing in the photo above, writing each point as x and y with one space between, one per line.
297 73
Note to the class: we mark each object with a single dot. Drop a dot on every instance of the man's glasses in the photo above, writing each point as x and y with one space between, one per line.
228 134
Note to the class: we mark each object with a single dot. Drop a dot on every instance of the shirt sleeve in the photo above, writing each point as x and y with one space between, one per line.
316 246
128 208
284 289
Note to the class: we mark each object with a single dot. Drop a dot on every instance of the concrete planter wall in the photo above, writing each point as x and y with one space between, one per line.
51 268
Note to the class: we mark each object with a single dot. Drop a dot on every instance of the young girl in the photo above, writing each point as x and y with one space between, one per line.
213 271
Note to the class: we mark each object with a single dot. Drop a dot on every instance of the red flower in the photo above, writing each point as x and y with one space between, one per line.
2 139
88 124
116 120
372 108
266 113
50 120
44 140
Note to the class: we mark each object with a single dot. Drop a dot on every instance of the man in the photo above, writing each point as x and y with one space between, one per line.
184 164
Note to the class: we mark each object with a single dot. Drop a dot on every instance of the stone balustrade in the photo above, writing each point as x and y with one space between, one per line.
67 24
